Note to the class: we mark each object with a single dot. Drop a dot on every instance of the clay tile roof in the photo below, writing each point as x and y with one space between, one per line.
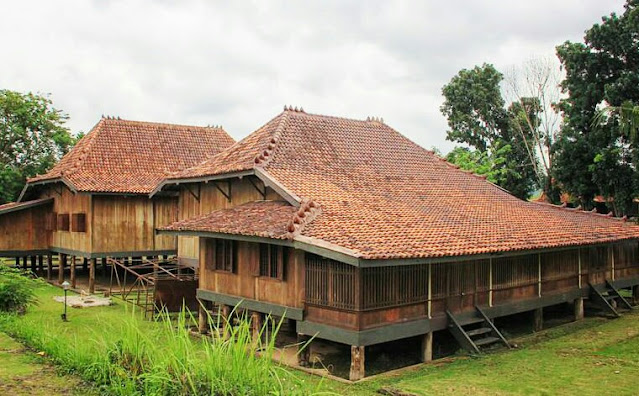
15 206
122 156
384 197
269 219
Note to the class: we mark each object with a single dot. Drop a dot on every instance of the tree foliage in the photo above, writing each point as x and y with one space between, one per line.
600 157
477 116
32 138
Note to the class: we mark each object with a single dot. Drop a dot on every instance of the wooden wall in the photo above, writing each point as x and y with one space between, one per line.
247 284
395 294
24 230
211 199
165 211
66 202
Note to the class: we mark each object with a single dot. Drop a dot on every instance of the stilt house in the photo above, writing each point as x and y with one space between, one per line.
363 237
95 202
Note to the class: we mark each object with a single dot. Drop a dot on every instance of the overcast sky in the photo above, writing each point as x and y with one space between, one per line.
238 63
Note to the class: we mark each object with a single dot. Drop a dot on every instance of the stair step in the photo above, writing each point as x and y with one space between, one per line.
486 341
610 297
481 330
470 321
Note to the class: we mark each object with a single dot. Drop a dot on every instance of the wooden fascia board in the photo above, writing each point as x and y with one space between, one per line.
202 179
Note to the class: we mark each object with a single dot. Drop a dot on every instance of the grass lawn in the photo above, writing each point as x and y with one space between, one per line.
22 372
592 357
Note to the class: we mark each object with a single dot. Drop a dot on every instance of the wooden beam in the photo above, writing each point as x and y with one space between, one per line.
62 261
195 193
227 193
49 266
358 359
92 265
261 191
72 272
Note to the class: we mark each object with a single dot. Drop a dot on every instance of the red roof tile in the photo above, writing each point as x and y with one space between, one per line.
122 156
383 196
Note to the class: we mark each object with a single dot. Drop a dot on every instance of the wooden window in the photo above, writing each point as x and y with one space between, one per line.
79 222
224 255
272 258
63 222
50 221
330 283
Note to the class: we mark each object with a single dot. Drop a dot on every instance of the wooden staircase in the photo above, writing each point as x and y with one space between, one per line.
610 300
475 332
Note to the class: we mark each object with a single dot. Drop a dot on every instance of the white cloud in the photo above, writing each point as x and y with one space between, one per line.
238 63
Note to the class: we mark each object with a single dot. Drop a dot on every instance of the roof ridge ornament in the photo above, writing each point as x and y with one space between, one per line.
265 156
306 213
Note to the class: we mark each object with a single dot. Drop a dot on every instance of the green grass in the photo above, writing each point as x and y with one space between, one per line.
23 372
119 352
592 357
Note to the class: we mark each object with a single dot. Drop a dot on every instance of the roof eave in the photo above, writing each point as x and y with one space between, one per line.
62 180
199 179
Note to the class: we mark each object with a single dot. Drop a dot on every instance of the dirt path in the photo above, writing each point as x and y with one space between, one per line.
23 372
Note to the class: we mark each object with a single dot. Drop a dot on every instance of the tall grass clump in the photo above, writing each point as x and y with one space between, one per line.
16 290
133 357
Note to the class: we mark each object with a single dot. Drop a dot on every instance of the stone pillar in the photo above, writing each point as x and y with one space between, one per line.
49 266
579 308
357 363
538 319
303 350
92 264
62 261
40 264
72 272
426 351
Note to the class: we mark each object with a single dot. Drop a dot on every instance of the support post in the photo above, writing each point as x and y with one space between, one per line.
72 272
427 347
303 350
357 363
538 319
579 308
85 264
256 326
49 266
17 262
225 320
203 322
62 261
33 263
40 264
92 275
635 294
24 262
104 267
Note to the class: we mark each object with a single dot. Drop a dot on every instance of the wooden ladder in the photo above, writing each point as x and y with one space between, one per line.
476 332
604 299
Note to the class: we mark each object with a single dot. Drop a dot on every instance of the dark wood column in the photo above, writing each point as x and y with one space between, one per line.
92 265
40 263
49 266
62 262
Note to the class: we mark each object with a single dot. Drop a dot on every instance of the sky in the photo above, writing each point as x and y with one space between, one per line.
237 64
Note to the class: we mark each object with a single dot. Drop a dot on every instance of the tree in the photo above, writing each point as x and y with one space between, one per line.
477 116
533 88
32 138
594 158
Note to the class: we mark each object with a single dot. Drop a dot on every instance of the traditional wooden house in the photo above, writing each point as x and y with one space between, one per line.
363 237
94 203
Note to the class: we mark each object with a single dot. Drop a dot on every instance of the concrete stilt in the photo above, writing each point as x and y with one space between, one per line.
579 308
427 347
303 350
357 371
538 319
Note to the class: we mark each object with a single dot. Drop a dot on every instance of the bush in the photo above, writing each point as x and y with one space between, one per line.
16 290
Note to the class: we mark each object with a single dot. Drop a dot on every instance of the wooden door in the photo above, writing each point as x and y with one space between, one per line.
599 264
461 286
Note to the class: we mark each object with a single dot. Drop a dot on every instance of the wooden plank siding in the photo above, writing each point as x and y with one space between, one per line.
396 294
211 199
245 282
25 230
68 203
